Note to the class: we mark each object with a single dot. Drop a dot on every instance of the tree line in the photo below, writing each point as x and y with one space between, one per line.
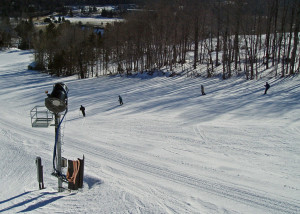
241 36
236 37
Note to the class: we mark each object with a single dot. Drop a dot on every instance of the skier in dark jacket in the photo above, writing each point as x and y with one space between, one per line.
120 100
202 90
82 109
267 87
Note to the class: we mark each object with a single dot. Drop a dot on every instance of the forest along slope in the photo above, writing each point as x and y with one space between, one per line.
168 149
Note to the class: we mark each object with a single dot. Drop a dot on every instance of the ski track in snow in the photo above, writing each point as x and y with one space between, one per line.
243 195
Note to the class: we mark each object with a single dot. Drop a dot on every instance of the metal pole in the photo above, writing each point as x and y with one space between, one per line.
58 150
40 178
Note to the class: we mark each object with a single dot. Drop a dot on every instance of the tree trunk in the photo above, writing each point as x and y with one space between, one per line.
296 40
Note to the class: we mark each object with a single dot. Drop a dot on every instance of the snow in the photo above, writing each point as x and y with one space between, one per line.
168 149
93 20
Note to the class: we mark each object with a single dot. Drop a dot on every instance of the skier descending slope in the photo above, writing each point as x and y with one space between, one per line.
267 87
82 109
120 100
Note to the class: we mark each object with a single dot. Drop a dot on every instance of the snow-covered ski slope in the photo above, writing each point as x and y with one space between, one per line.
166 150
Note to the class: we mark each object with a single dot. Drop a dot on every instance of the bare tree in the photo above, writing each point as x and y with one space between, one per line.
296 37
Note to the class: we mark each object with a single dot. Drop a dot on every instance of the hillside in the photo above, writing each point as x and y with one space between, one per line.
168 149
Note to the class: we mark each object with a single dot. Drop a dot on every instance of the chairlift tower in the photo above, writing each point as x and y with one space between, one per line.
58 150
57 102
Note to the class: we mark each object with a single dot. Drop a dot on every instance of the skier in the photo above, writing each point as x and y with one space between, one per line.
82 109
267 87
120 100
202 90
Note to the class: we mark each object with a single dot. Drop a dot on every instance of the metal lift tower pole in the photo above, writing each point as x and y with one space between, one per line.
57 102
58 150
